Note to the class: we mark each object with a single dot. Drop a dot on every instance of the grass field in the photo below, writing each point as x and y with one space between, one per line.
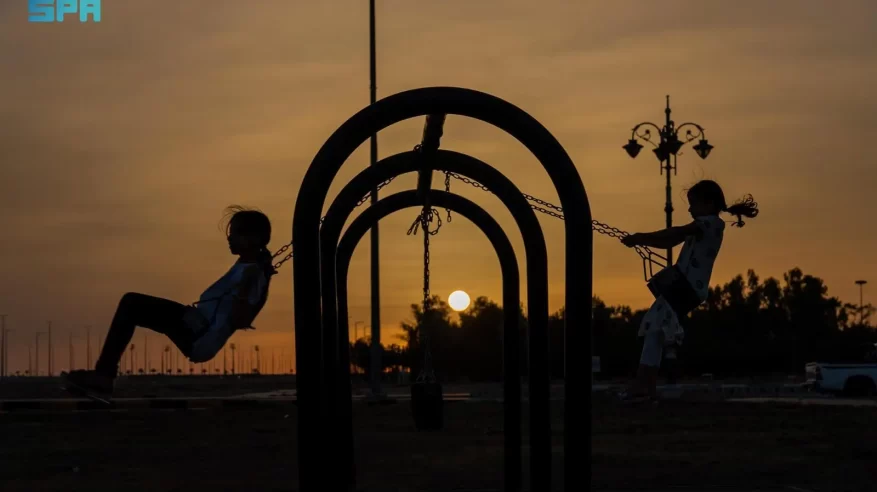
670 445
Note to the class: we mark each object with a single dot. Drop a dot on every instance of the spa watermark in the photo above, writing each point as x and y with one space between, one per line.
58 10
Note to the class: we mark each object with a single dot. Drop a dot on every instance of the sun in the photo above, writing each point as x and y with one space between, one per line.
458 300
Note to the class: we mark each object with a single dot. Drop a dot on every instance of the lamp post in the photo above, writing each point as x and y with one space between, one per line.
861 284
666 150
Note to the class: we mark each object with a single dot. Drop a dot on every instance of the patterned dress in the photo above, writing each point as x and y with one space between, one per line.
696 262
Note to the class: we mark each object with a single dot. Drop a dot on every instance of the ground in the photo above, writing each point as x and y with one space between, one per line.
673 444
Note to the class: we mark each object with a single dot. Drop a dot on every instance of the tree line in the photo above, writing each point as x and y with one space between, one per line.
746 327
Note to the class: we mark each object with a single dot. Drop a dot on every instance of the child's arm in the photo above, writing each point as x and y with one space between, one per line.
666 238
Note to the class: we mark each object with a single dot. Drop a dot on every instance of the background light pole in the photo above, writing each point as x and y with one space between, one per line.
665 150
375 265
861 284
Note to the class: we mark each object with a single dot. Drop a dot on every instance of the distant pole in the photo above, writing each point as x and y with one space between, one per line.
5 348
88 347
375 262
861 284
37 355
145 353
50 351
272 361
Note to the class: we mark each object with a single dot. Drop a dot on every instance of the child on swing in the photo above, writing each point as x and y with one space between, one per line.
702 238
199 331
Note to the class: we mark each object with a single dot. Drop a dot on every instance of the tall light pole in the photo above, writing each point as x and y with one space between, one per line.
861 284
375 275
665 150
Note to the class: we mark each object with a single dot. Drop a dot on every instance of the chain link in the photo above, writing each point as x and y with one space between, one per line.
648 256
539 205
448 190
359 203
427 373
426 216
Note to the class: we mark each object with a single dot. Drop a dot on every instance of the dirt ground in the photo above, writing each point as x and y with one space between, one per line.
673 444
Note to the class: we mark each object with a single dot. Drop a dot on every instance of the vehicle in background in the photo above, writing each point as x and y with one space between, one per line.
856 380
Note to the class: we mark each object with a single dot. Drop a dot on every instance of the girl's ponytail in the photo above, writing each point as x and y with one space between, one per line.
746 206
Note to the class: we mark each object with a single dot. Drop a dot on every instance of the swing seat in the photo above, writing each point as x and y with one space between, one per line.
676 290
427 405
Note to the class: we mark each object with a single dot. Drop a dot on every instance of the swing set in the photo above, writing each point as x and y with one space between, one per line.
425 388
321 257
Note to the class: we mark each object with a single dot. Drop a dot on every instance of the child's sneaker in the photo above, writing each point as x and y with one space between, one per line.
88 383
633 397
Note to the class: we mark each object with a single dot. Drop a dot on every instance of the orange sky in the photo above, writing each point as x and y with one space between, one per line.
122 142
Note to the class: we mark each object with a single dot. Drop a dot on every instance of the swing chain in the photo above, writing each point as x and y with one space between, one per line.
431 214
380 185
647 255
426 216
289 245
448 190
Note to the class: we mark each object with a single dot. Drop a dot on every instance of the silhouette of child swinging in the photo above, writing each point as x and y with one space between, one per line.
200 330
660 327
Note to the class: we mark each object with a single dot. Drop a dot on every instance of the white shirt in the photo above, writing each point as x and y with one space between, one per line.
217 311
699 254
696 262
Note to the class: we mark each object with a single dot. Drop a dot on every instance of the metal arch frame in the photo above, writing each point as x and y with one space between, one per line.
511 301
537 283
578 245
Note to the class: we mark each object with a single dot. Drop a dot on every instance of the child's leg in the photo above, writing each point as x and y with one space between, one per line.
134 310
650 362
